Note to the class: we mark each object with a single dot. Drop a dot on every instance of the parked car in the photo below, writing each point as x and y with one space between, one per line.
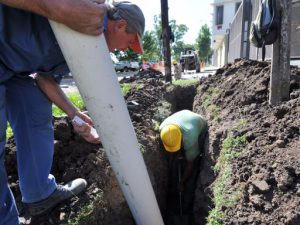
134 65
122 66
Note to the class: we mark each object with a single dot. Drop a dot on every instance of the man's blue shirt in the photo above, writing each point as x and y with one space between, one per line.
27 45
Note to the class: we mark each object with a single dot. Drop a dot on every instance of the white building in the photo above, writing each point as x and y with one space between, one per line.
223 14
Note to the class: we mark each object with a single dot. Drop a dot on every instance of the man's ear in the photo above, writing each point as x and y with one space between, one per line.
121 24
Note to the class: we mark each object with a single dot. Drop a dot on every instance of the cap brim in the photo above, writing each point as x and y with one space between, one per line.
173 148
137 45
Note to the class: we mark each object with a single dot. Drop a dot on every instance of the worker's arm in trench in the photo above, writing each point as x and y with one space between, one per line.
85 16
53 91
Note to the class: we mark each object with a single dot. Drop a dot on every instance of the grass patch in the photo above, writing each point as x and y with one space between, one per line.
185 83
9 132
226 196
84 215
207 103
125 88
75 98
140 86
210 94
142 149
242 123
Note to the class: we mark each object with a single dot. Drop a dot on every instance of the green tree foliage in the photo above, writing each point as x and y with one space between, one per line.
178 31
151 51
203 43
126 55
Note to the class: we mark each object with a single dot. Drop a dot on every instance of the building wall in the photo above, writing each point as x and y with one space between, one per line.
239 45
219 32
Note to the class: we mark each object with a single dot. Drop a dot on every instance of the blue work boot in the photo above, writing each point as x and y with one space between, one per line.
61 194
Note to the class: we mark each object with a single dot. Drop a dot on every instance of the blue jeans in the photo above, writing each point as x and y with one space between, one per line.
8 209
30 116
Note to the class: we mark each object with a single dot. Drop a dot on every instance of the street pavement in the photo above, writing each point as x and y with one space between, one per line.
68 84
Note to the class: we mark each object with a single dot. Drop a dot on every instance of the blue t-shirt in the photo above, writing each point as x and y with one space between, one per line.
27 45
191 126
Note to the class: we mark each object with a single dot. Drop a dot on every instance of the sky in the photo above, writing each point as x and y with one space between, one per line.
193 13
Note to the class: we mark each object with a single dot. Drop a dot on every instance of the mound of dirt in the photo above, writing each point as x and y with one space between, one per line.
103 203
235 102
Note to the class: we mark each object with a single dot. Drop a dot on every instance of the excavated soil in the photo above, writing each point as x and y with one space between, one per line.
267 167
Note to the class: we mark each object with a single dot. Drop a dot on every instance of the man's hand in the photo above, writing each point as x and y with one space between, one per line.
84 129
85 16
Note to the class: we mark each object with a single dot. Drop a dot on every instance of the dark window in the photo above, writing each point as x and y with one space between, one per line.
219 15
237 6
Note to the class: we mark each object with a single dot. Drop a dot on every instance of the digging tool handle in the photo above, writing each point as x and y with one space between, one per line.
179 180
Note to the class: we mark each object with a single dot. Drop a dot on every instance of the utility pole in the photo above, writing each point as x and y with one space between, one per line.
280 68
166 39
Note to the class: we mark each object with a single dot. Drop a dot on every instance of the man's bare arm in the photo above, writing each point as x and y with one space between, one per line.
85 16
53 91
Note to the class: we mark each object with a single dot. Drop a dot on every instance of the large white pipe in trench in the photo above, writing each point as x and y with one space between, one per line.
89 61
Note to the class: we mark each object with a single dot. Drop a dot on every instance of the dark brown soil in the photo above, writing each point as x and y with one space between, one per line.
267 167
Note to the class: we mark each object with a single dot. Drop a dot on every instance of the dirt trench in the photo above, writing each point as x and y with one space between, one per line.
103 202
235 103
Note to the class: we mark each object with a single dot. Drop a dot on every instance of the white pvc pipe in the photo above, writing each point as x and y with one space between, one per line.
89 61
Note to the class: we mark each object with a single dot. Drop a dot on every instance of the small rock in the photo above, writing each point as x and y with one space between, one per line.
262 186
280 143
62 216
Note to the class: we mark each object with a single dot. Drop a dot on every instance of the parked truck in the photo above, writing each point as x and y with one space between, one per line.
189 60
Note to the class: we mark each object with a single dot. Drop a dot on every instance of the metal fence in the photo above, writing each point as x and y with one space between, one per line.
238 35
295 36
235 36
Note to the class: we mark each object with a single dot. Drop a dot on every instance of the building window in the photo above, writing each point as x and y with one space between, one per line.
219 15
237 6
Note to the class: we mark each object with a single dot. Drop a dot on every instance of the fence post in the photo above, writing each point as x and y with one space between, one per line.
280 67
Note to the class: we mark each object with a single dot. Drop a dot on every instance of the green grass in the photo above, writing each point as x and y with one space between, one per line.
185 83
207 102
9 132
224 195
242 123
75 98
84 215
125 88
209 96
142 149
